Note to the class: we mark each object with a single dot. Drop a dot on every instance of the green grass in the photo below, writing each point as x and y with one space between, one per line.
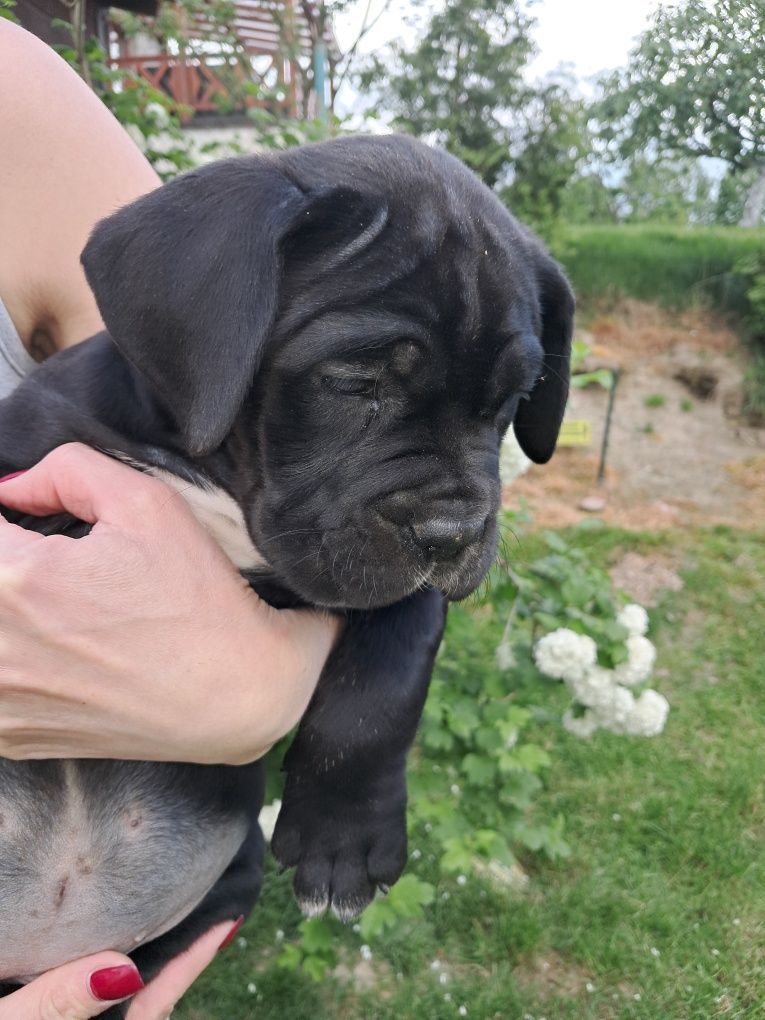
655 400
676 266
659 912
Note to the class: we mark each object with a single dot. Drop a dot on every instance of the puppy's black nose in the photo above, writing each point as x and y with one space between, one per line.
444 538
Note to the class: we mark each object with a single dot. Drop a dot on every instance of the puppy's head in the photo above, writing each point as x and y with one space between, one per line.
342 334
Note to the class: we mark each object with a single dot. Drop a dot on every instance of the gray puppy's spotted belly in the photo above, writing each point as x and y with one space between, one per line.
103 855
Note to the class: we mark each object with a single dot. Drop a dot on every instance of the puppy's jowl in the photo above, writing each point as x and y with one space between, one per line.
324 348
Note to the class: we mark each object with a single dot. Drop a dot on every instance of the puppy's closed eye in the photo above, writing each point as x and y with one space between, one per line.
351 385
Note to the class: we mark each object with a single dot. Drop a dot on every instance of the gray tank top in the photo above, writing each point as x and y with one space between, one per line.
15 360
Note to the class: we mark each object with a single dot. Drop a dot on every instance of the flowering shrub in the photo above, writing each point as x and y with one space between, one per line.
601 696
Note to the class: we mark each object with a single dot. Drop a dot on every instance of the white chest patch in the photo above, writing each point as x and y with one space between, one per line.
220 516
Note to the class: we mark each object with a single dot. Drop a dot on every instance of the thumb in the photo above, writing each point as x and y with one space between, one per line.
76 991
89 485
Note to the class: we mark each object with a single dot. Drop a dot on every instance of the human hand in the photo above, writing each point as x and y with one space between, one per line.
86 988
140 641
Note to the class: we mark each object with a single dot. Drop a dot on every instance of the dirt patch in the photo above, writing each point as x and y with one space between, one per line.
364 975
549 975
645 577
634 330
673 459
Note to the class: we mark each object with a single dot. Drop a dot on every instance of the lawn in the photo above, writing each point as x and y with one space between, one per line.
658 912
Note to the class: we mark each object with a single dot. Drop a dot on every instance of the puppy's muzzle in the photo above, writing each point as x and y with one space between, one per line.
442 539
440 529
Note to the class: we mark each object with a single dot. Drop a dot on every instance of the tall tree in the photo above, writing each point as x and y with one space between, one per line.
460 83
588 199
695 86
665 191
552 140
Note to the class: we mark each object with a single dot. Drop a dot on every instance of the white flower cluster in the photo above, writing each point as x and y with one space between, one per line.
139 138
604 694
513 462
267 819
505 656
566 655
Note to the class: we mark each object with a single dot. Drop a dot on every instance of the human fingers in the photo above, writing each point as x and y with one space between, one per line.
13 537
77 991
159 997
75 479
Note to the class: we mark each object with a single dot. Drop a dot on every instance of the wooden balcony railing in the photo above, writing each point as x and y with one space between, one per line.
212 84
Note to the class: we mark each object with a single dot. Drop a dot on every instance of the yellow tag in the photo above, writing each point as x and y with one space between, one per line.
575 433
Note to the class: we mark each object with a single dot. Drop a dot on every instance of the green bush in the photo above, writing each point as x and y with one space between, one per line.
676 266
752 271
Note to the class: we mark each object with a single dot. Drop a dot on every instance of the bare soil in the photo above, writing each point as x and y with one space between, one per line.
674 458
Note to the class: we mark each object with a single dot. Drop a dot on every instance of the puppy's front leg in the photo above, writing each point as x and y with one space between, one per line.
343 818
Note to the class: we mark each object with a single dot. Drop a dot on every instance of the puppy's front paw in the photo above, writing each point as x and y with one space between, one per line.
343 847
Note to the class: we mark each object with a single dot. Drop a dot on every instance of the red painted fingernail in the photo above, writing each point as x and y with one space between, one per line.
7 478
234 929
115 982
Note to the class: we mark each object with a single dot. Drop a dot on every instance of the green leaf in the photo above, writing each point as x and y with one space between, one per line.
477 769
410 894
533 757
531 836
457 855
378 918
316 935
519 788
554 541
602 377
290 957
316 967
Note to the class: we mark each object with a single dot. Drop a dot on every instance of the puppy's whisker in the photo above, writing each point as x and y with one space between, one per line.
319 551
321 573
302 559
286 534
549 368
349 561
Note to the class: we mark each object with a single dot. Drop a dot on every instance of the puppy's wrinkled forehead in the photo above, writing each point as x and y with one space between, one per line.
432 253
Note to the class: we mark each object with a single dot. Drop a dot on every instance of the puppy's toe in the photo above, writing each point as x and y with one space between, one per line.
285 842
352 889
313 886
387 858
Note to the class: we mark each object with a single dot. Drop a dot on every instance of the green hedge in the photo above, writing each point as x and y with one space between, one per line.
676 266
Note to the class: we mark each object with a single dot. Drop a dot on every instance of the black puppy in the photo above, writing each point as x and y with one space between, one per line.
321 350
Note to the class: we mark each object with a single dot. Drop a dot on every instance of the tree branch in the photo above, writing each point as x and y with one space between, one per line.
364 30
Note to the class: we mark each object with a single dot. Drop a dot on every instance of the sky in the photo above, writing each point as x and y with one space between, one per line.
587 35
591 35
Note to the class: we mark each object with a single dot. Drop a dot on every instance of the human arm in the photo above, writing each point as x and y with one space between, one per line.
65 163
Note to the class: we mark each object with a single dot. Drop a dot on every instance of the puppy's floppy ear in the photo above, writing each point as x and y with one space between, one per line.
187 280
538 419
